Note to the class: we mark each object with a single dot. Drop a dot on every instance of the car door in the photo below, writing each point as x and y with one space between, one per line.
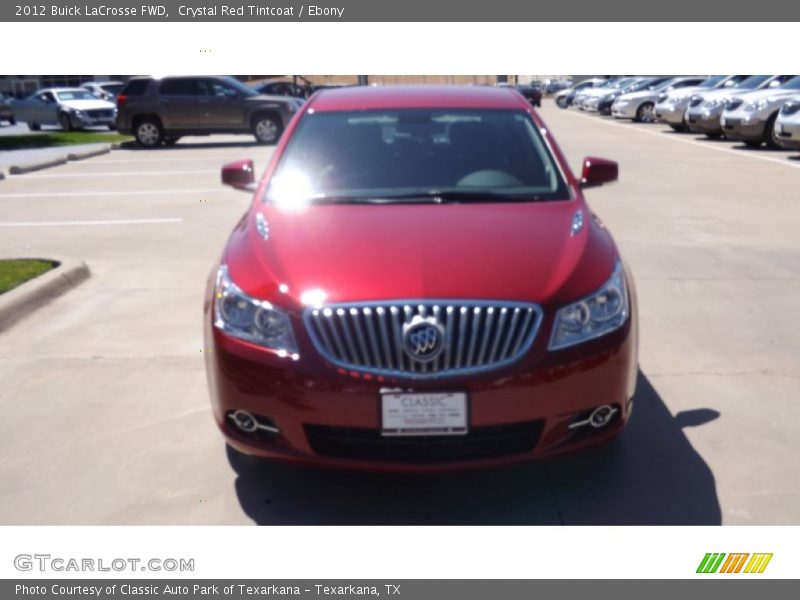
223 104
182 103
39 108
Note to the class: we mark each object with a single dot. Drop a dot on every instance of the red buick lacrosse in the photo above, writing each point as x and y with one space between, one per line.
418 285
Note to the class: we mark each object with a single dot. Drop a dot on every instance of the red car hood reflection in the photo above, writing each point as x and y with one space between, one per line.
520 251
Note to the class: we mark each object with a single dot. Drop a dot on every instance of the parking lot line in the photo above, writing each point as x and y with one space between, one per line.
82 223
114 193
696 143
120 174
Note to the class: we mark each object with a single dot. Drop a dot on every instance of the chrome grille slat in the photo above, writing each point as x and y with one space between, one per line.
476 335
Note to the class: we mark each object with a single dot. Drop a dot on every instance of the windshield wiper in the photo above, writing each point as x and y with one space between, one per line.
431 197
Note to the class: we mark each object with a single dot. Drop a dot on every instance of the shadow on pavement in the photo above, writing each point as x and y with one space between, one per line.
191 145
649 475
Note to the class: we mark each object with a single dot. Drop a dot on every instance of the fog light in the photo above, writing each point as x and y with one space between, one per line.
248 423
597 419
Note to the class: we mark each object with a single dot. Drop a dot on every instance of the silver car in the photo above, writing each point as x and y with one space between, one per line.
787 125
71 108
751 117
589 98
705 109
640 105
671 106
566 96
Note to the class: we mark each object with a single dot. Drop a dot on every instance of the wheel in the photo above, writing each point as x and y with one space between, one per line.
646 113
148 133
267 129
65 122
713 135
753 143
561 101
681 128
34 126
12 121
171 140
769 132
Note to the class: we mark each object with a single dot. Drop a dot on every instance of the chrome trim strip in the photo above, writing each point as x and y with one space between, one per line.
480 335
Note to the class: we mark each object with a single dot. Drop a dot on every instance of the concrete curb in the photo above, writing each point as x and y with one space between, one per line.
37 166
24 299
88 153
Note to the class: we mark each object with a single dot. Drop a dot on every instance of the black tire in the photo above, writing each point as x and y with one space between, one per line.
714 135
267 129
148 132
769 132
680 128
645 113
171 140
753 143
65 122
34 126
111 127
561 101
12 121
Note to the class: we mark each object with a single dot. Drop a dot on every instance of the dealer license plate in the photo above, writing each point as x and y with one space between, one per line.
423 413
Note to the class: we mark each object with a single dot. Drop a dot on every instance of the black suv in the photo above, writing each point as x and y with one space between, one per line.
157 111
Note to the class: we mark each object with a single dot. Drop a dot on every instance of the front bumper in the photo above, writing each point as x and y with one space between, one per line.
332 418
702 120
93 121
787 134
742 126
672 114
624 111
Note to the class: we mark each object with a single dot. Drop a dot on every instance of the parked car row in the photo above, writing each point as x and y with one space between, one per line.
754 109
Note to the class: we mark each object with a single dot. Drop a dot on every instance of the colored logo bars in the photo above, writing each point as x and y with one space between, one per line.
713 563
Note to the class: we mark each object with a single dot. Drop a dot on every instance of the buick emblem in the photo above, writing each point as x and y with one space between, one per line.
423 338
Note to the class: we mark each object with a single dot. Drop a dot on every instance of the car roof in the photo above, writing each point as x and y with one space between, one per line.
416 96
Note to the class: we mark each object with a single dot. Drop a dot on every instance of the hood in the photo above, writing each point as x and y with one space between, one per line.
93 104
757 95
642 95
518 252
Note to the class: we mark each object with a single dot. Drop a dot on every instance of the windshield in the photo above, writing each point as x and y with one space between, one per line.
76 95
792 84
235 83
112 88
416 155
713 81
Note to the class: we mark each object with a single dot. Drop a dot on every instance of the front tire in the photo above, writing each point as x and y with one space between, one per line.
34 126
561 101
713 135
149 133
682 128
65 122
267 129
646 113
769 133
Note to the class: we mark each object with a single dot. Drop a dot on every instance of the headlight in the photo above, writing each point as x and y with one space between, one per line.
249 319
755 106
601 313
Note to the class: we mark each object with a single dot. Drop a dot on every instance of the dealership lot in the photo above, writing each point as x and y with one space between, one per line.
106 416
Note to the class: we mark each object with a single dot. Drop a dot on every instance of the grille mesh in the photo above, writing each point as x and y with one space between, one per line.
477 335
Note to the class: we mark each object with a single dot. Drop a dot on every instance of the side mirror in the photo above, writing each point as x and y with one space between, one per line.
239 175
597 171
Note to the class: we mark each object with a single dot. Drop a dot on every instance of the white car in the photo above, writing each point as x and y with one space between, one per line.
639 105
105 90
671 106
71 108
565 97
787 125
589 99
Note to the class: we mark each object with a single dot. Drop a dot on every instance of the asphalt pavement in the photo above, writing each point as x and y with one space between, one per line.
106 417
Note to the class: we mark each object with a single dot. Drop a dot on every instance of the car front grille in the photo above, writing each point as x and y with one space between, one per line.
96 114
494 441
388 338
